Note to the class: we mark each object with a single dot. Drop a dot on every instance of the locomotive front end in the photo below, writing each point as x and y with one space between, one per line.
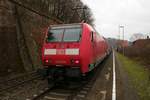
61 50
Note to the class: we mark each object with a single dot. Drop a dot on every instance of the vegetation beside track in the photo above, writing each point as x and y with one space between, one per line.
138 75
139 51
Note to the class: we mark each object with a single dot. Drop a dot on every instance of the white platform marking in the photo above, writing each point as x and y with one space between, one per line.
104 95
107 76
109 68
114 79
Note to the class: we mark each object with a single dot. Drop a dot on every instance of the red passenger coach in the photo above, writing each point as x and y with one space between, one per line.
72 49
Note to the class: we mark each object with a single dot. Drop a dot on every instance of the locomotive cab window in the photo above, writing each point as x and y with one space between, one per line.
64 34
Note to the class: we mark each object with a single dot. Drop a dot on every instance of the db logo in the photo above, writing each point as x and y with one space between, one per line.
60 51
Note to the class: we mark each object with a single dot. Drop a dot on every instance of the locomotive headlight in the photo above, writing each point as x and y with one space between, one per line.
47 61
72 51
75 61
50 52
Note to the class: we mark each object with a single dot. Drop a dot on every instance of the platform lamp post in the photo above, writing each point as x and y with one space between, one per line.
122 27
118 42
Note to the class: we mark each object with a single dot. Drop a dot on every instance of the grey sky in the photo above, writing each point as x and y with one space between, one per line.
134 15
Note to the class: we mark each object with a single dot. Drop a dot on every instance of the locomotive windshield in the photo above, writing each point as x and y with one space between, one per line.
71 35
64 34
55 35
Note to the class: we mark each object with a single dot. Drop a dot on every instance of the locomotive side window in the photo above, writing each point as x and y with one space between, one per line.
72 35
55 35
92 36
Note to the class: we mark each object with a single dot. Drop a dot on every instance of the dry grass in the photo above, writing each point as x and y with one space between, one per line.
138 76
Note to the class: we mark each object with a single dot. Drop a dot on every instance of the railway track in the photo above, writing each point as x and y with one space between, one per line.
72 90
61 93
66 92
17 81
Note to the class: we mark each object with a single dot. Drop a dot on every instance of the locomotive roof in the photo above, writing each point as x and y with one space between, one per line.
74 25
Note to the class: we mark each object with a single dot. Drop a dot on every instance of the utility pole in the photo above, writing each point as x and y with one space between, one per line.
122 27
119 33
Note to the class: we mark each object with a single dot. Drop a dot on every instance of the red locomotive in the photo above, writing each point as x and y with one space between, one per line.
72 49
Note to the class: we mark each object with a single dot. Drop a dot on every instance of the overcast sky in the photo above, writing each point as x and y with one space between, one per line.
134 15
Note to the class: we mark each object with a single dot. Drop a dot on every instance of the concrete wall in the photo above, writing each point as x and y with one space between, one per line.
10 60
21 37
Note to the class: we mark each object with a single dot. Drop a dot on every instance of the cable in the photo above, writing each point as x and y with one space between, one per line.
32 10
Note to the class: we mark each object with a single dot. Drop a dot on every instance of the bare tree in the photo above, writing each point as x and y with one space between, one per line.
64 10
